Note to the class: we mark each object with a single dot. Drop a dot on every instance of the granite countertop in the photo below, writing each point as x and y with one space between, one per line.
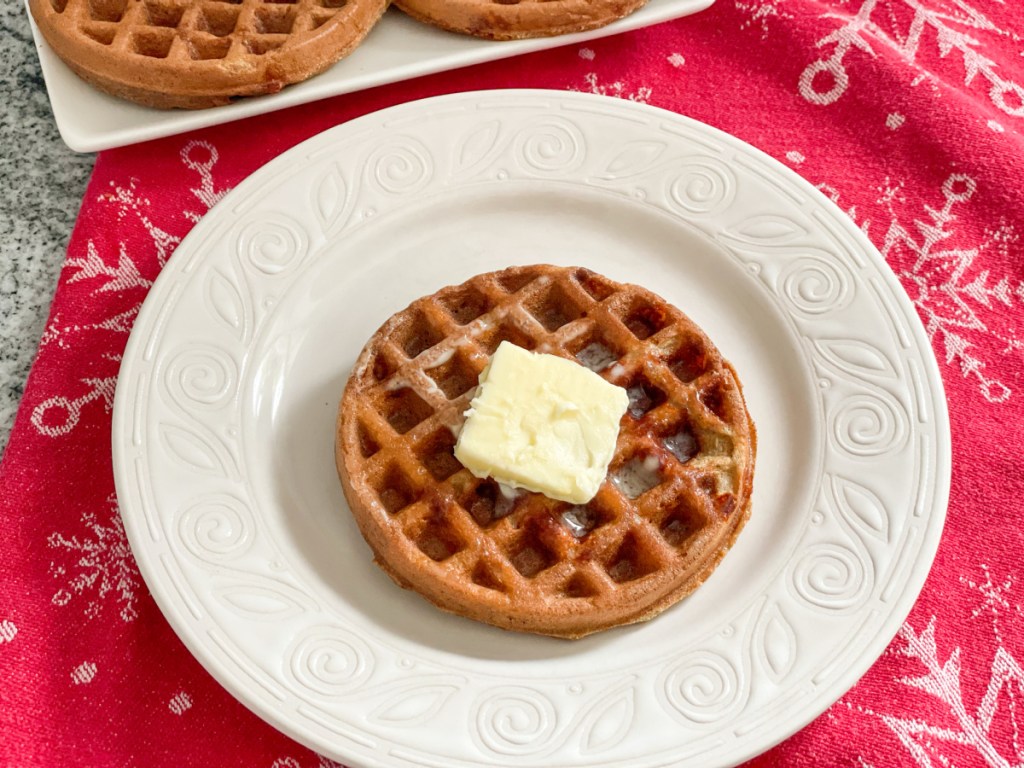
43 185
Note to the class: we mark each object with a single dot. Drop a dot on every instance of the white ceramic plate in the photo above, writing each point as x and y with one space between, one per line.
398 48
225 409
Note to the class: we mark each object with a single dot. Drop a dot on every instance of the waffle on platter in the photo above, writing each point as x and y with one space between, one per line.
518 19
678 488
193 54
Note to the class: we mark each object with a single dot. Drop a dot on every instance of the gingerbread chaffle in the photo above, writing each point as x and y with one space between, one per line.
518 19
193 54
678 489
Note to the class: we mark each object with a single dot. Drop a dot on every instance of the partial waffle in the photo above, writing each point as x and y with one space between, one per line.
193 54
678 488
518 19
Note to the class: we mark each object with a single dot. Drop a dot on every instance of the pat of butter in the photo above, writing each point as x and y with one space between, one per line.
542 423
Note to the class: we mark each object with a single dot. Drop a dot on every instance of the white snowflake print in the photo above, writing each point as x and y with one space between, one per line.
953 291
60 414
826 79
96 568
120 277
967 728
942 680
291 762
894 120
57 331
83 673
8 631
760 11
180 703
950 290
202 157
129 203
616 89
833 194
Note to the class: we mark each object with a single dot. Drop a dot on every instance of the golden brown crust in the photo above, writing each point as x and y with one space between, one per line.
192 54
516 20
679 485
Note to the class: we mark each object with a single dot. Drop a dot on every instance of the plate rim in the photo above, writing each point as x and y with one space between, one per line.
941 459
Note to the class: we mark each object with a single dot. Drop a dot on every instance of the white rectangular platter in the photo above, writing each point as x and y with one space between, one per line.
398 48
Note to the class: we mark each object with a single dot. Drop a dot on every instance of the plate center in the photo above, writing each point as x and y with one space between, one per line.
304 357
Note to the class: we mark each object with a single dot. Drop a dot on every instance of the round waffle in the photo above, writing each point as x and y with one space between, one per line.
678 487
193 54
518 19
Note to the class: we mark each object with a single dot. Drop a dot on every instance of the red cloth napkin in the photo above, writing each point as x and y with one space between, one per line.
908 113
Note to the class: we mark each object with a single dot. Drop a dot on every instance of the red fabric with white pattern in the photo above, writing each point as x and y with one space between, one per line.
908 113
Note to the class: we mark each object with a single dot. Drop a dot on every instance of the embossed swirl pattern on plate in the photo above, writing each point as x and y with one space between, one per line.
272 243
217 528
515 720
551 146
832 577
329 660
816 285
870 425
400 166
201 377
703 687
703 187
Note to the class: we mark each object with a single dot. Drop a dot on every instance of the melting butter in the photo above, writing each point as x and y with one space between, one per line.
542 423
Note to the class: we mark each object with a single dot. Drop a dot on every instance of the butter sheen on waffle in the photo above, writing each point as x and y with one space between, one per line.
678 488
518 19
194 54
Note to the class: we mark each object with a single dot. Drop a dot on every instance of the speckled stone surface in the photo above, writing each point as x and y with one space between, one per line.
41 189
